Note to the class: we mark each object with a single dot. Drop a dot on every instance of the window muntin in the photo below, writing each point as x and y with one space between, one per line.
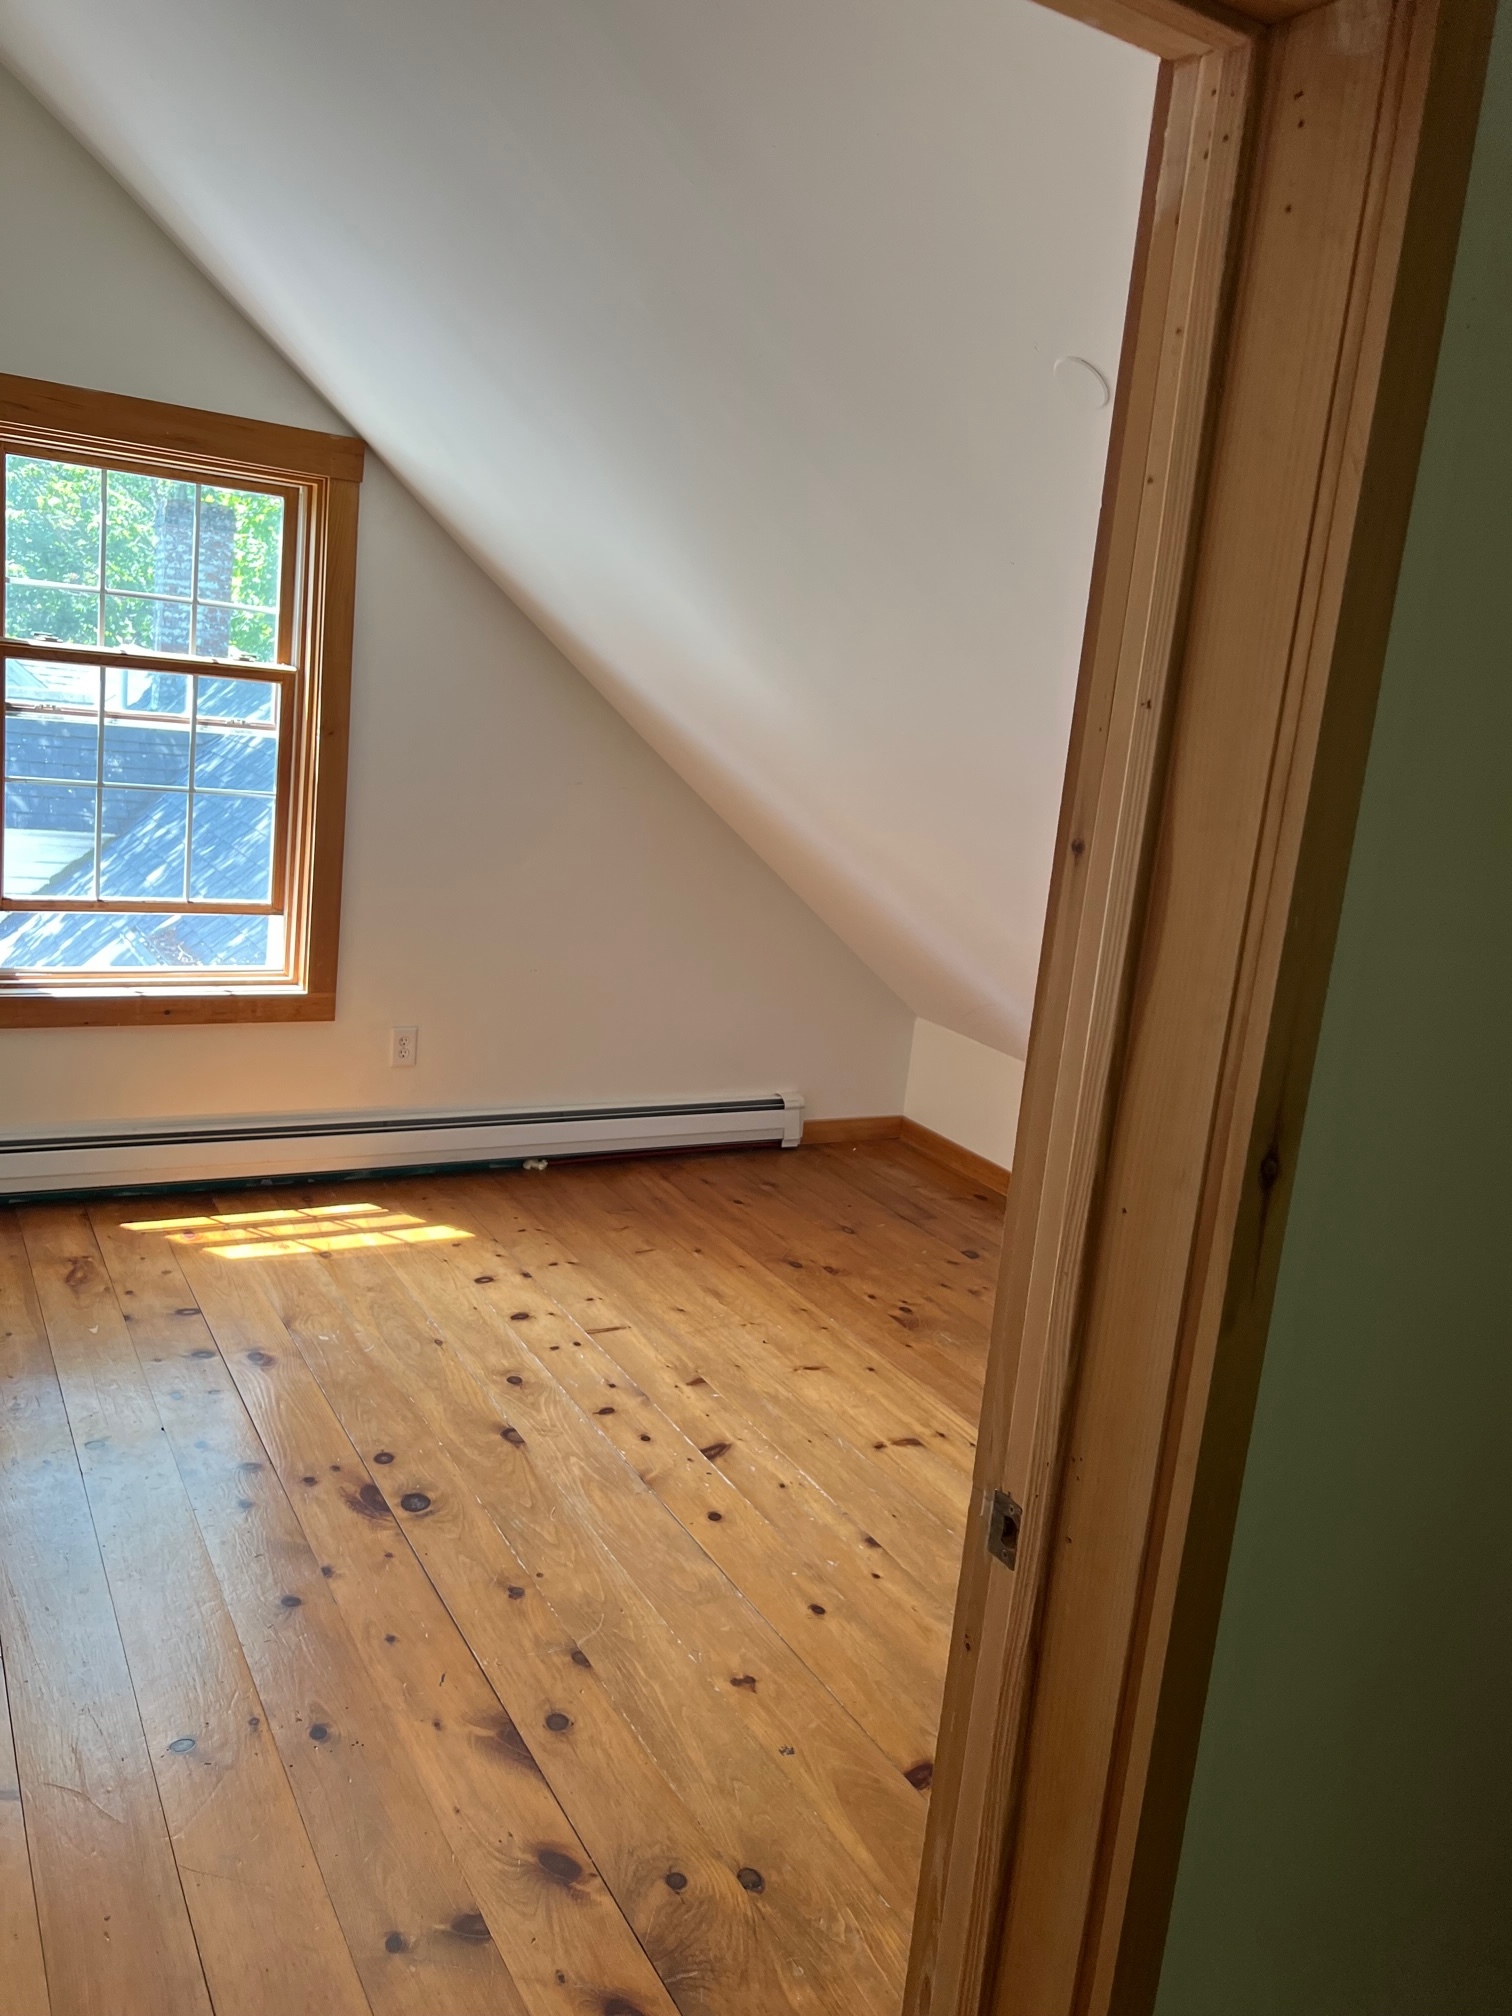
146 805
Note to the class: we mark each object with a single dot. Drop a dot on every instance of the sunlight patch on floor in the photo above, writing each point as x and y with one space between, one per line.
264 1235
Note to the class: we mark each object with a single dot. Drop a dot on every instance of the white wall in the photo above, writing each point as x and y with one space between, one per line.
723 332
964 1090
562 916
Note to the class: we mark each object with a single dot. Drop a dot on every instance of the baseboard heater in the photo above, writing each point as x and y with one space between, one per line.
266 1149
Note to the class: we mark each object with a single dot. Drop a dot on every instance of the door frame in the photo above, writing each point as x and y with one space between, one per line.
1306 178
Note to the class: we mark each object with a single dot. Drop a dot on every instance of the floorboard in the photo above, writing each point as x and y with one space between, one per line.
21 1965
261 1915
114 1928
517 1592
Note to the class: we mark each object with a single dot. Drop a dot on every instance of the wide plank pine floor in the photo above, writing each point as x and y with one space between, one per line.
497 1595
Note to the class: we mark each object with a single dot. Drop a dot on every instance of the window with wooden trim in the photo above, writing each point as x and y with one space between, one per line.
177 644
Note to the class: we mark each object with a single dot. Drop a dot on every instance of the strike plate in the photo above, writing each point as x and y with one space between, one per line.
1005 1518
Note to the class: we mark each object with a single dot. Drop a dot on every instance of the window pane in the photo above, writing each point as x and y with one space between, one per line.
52 745
149 537
49 839
239 541
141 752
224 632
74 942
235 759
128 691
233 850
149 624
52 521
251 636
53 685
241 545
66 615
238 700
142 843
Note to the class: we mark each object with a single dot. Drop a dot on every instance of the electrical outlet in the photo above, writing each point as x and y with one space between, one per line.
403 1043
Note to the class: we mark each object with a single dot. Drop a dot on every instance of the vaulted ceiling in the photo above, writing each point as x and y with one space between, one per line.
723 334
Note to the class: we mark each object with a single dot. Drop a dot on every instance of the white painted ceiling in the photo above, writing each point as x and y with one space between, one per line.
722 332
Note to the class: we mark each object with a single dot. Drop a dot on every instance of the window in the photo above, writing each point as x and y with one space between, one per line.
177 645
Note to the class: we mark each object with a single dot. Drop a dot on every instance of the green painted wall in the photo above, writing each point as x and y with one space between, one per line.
1349 1849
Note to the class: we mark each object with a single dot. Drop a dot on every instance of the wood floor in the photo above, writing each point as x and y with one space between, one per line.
467 1596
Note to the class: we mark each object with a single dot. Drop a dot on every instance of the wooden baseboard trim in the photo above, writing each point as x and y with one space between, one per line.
893 1127
964 1161
833 1133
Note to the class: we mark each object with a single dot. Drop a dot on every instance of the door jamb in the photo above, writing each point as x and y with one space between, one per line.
1306 179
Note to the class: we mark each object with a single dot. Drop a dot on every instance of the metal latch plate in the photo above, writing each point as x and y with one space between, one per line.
1005 1519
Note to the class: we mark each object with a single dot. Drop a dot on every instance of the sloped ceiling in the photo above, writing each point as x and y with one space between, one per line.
722 333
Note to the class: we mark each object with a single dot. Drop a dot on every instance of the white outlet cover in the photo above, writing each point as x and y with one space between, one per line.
404 1043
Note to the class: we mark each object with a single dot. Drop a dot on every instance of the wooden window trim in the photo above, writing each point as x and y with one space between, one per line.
318 476
1307 173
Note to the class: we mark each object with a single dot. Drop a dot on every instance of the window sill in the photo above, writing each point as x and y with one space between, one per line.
24 1007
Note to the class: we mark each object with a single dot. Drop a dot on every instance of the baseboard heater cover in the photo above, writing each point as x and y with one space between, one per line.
147 1156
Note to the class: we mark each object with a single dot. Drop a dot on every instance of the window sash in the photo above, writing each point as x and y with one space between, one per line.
285 678
184 470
